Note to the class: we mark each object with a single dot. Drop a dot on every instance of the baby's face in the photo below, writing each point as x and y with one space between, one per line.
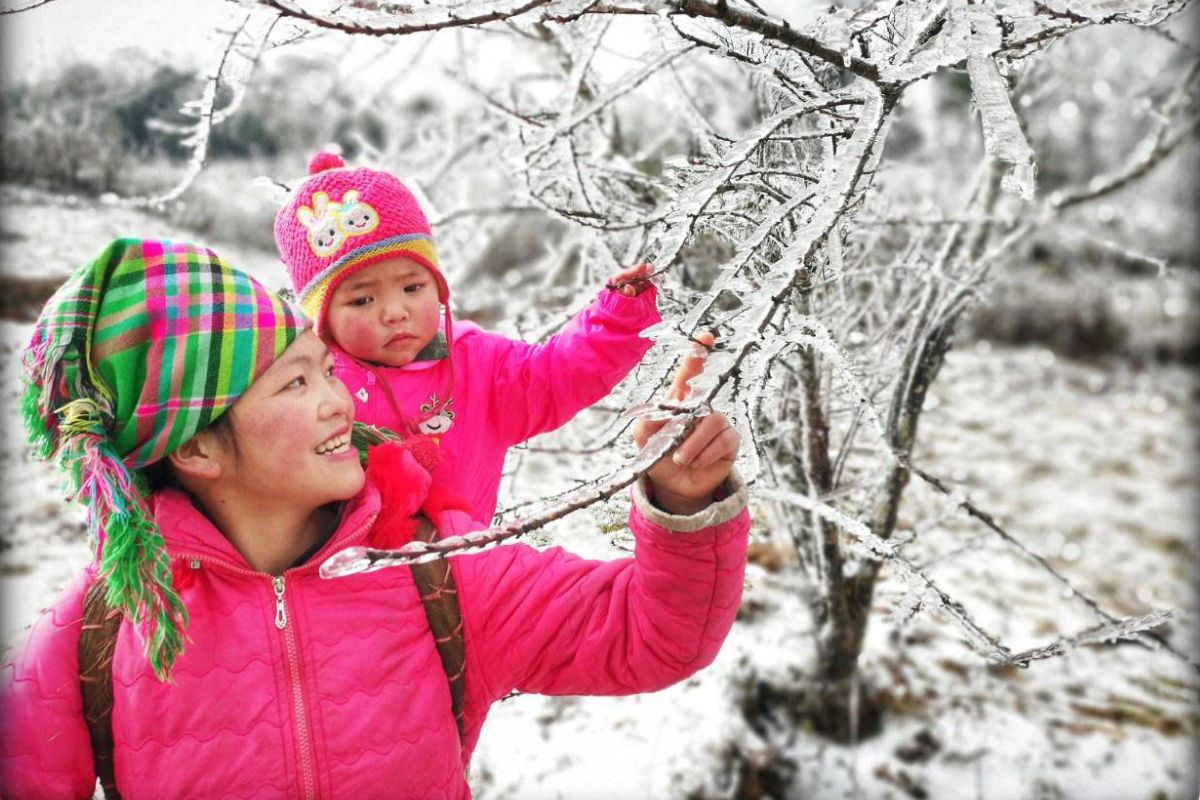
385 313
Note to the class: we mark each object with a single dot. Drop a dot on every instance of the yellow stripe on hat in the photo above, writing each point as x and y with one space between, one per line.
315 295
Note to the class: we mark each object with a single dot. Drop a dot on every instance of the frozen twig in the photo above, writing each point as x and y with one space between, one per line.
1129 628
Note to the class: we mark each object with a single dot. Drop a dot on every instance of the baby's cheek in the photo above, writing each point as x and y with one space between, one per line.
356 337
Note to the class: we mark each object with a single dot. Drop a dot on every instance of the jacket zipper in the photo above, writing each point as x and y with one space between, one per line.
293 666
291 649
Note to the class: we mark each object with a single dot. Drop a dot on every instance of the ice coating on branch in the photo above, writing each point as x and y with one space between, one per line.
686 209
231 71
1128 628
350 561
833 249
868 545
623 86
812 333
1003 137
948 46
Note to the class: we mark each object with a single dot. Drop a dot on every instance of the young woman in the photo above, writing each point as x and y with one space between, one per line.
201 423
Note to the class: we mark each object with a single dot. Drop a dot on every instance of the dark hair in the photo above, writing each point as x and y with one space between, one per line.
160 474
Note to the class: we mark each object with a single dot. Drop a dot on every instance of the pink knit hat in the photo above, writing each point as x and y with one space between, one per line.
341 220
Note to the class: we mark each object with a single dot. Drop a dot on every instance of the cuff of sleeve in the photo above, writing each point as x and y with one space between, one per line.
642 306
721 511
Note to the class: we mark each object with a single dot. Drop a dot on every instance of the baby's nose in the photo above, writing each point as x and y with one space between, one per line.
395 309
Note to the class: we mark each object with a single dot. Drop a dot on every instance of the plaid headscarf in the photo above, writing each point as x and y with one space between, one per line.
137 352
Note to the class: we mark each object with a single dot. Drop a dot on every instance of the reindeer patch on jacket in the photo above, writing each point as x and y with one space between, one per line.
436 417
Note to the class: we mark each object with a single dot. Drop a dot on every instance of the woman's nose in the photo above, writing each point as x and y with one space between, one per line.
337 400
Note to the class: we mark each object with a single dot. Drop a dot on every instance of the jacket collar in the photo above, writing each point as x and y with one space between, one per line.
189 534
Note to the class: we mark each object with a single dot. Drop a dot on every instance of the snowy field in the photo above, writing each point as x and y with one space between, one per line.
1091 467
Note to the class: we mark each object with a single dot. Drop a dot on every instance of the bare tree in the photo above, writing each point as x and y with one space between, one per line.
834 317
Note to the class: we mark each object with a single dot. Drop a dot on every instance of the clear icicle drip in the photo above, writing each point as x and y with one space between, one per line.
833 247
1003 137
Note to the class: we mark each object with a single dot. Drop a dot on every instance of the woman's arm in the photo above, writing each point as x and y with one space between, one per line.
539 387
553 623
45 750
557 624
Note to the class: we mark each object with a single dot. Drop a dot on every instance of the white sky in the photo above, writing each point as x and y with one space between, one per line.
63 31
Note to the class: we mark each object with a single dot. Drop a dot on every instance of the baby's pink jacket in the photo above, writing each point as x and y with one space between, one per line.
349 699
505 391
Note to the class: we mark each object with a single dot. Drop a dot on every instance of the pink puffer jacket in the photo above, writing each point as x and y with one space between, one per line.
504 391
304 687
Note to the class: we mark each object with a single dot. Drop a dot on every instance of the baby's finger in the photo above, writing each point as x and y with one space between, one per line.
631 274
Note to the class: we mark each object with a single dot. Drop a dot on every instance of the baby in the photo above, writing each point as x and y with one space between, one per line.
363 264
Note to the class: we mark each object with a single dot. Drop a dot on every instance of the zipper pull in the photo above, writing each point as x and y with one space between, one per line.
280 608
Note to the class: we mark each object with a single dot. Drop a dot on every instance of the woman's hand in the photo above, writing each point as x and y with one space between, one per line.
631 282
683 483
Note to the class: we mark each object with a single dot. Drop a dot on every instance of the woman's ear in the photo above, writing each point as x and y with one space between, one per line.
200 457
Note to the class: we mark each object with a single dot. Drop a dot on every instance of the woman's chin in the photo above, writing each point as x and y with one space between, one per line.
347 478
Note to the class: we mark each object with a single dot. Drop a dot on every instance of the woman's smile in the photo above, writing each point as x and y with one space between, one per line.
336 445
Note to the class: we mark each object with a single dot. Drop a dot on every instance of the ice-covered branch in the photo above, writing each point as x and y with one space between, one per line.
778 30
1129 628
256 27
420 20
1151 151
872 547
990 523
30 7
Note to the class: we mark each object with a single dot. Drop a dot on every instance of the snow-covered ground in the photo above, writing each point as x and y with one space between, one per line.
1090 467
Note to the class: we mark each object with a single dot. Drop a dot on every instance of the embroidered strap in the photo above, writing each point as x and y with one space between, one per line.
439 596
97 641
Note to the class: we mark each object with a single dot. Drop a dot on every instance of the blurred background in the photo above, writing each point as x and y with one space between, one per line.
1064 413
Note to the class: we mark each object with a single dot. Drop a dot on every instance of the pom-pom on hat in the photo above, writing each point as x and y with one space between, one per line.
340 220
136 353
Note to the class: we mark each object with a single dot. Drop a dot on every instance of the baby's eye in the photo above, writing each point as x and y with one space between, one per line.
360 301
295 383
329 371
413 288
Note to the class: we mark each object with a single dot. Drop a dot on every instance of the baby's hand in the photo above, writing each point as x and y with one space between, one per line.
631 282
684 482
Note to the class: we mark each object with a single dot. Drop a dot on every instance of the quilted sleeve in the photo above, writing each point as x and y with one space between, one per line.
45 750
553 623
539 387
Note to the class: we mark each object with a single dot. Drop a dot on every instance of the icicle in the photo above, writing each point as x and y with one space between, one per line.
1003 137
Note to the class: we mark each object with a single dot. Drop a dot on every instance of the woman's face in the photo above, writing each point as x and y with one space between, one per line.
291 433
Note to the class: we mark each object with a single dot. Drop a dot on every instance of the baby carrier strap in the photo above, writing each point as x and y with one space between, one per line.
101 623
439 596
97 641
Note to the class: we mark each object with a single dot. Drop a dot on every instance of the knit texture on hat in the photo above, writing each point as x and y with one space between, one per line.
340 220
137 352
